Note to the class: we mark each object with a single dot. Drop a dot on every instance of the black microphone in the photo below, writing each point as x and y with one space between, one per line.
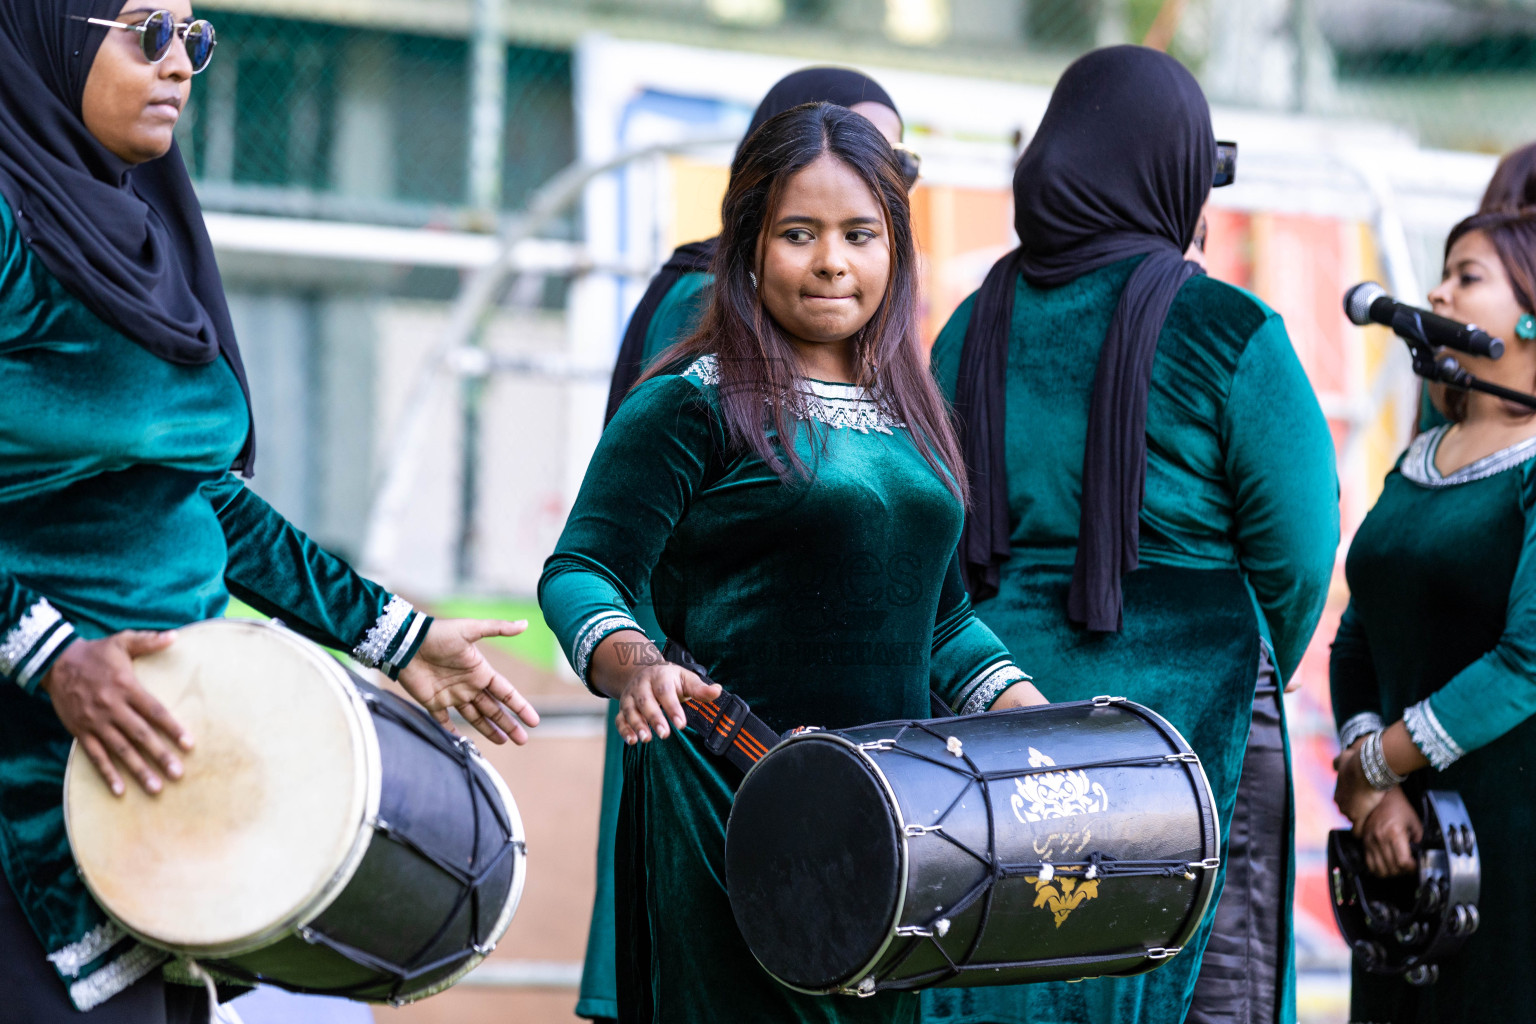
1368 302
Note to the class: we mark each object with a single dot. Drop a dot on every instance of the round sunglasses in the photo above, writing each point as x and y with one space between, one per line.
158 31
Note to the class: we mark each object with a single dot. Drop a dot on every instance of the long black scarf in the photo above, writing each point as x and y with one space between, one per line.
842 86
1120 167
693 258
127 241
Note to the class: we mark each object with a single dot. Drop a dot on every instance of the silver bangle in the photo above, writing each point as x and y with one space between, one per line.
1373 762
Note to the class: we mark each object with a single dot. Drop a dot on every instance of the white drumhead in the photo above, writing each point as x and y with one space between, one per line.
268 821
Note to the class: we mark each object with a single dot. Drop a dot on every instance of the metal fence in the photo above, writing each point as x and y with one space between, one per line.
359 118
308 118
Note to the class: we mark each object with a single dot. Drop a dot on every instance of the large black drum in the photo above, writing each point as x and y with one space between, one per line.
1039 844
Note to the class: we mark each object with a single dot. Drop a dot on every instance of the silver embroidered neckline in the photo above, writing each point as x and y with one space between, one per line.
1419 463
836 405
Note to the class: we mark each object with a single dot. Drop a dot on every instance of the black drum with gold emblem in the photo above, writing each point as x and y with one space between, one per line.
1038 844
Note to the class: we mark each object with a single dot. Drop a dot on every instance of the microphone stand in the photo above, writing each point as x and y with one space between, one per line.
1448 371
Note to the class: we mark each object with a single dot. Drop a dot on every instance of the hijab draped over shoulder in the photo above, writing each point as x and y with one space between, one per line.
1120 167
842 86
127 241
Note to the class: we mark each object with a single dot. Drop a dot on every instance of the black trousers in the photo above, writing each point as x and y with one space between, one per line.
31 993
1240 974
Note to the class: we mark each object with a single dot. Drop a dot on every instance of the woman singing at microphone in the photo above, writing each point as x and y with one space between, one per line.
1439 640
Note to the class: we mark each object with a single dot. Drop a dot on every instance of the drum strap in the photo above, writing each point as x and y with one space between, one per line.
727 724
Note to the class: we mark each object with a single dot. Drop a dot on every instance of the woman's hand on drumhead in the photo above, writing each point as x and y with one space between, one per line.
448 671
652 701
1388 835
99 700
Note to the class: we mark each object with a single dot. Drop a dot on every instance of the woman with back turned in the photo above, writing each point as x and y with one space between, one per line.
1153 503
800 443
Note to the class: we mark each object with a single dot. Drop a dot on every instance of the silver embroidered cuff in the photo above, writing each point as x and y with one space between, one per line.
1359 725
375 645
994 679
69 960
28 645
1430 736
1373 763
392 666
592 632
116 976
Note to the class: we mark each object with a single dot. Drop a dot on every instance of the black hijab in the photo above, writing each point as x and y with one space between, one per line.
842 86
1120 167
128 241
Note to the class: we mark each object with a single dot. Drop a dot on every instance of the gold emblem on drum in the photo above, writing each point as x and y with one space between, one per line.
1055 794
1072 894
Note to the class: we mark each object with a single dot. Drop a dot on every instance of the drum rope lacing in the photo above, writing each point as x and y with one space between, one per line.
470 880
1096 865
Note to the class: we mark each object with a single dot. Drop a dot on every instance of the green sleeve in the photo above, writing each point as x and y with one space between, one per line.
32 634
1497 691
969 667
648 466
678 316
1352 681
945 358
278 570
1280 465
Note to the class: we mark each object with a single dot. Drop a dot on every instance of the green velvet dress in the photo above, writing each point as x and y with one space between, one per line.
1441 633
674 320
117 511
1238 533
832 602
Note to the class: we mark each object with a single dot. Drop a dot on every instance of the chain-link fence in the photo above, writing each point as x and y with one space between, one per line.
364 123
1460 73
362 118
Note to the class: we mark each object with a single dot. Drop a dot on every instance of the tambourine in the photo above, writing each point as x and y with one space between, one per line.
1407 924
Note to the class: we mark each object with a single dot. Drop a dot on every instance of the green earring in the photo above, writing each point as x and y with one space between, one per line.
1525 327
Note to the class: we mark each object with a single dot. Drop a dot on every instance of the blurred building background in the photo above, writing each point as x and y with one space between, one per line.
433 217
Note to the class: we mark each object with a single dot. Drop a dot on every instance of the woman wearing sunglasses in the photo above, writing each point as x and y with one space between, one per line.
124 408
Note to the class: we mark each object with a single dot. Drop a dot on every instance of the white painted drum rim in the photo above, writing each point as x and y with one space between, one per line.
368 777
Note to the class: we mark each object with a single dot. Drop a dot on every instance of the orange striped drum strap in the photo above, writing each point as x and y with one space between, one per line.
727 725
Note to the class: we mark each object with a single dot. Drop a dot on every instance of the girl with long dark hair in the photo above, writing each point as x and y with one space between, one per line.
1439 640
669 312
675 300
793 496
